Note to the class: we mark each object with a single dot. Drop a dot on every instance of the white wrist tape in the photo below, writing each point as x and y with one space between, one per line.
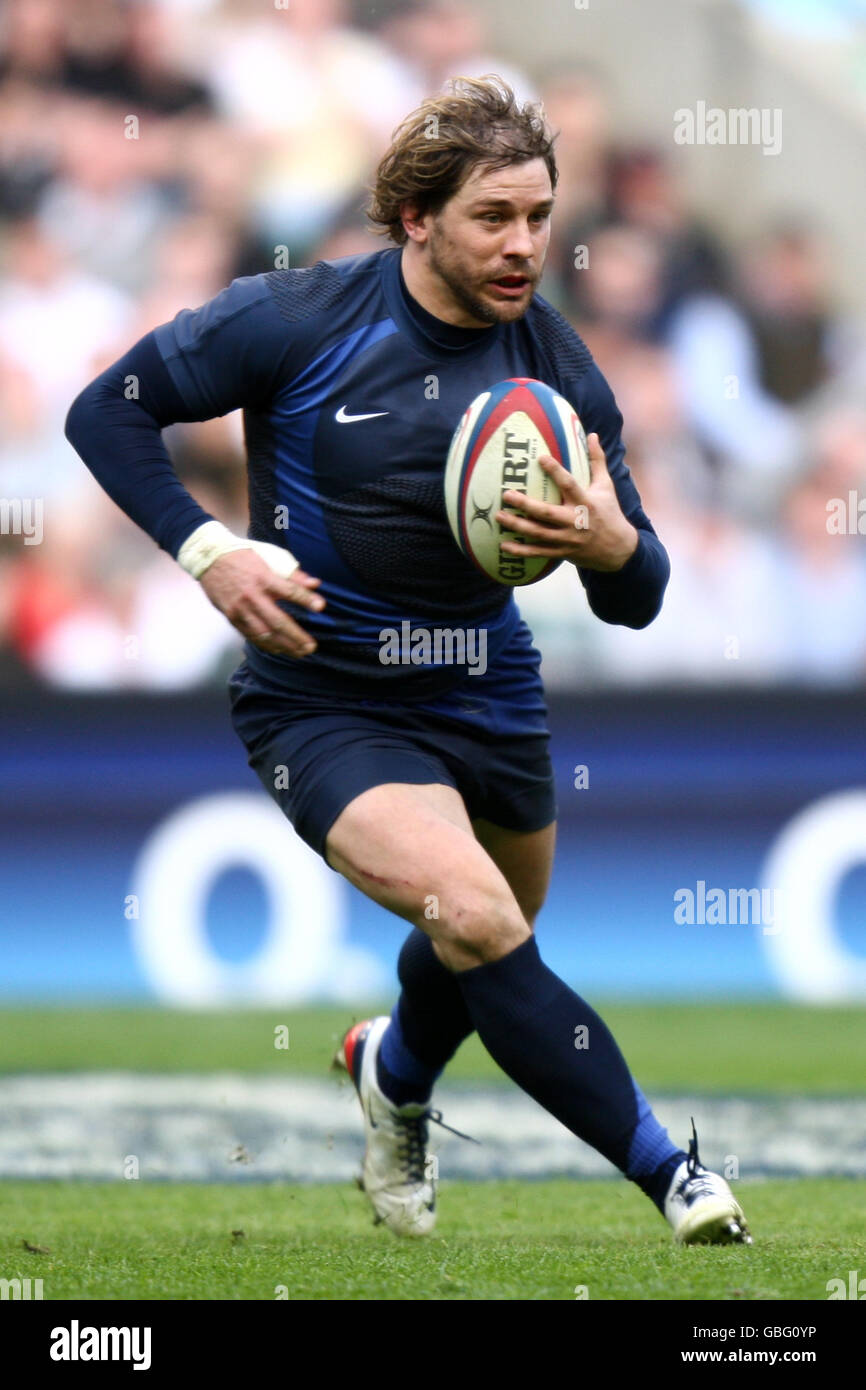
212 539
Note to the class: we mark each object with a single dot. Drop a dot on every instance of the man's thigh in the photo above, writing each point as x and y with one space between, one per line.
412 849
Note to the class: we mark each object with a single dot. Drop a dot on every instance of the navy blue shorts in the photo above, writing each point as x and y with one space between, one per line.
330 750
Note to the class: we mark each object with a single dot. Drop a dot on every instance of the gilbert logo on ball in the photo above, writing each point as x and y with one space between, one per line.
495 449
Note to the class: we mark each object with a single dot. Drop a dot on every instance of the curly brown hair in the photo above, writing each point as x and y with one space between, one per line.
473 121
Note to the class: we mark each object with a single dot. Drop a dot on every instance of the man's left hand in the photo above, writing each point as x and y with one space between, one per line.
588 526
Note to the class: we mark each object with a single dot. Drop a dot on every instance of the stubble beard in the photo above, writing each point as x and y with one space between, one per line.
449 273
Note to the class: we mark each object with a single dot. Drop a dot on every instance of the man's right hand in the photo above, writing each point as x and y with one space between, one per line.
244 588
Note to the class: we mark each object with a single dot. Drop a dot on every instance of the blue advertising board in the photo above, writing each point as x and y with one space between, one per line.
709 846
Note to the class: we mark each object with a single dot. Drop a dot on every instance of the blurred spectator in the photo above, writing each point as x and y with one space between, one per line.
438 39
32 42
28 148
130 54
622 288
823 578
102 206
320 99
192 262
720 621
214 169
749 436
577 105
58 326
784 289
646 195
116 616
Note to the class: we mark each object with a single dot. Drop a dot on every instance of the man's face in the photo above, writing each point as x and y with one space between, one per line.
487 245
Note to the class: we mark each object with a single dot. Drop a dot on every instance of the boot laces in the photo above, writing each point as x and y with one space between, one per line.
413 1131
697 1179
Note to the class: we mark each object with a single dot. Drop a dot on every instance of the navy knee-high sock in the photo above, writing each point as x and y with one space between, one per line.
428 1023
558 1049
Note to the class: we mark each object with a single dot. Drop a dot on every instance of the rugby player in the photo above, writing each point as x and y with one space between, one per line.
426 785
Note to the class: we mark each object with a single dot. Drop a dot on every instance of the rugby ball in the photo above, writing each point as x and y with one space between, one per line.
495 448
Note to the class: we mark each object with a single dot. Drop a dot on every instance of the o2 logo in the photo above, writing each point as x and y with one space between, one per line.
305 953
807 863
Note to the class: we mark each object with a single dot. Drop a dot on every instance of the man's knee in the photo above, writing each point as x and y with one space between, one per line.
476 928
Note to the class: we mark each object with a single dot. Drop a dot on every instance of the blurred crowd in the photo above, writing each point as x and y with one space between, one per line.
150 152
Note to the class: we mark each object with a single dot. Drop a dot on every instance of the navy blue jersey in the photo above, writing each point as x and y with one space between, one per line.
351 393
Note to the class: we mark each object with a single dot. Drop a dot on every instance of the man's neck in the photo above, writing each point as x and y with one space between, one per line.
432 295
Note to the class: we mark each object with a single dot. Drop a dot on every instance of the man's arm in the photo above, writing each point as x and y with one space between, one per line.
205 363
630 596
600 527
115 425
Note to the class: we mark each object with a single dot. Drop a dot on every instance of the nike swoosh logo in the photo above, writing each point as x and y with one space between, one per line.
343 419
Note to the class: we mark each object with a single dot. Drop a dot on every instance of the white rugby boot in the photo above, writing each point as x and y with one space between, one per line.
701 1207
397 1176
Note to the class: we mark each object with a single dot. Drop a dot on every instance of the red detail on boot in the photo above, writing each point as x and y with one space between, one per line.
350 1043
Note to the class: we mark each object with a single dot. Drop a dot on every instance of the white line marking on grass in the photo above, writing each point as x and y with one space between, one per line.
83 1125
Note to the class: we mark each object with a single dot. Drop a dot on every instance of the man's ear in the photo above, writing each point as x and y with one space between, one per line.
414 224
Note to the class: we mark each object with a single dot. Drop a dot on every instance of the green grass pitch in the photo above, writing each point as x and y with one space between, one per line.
743 1047
496 1240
